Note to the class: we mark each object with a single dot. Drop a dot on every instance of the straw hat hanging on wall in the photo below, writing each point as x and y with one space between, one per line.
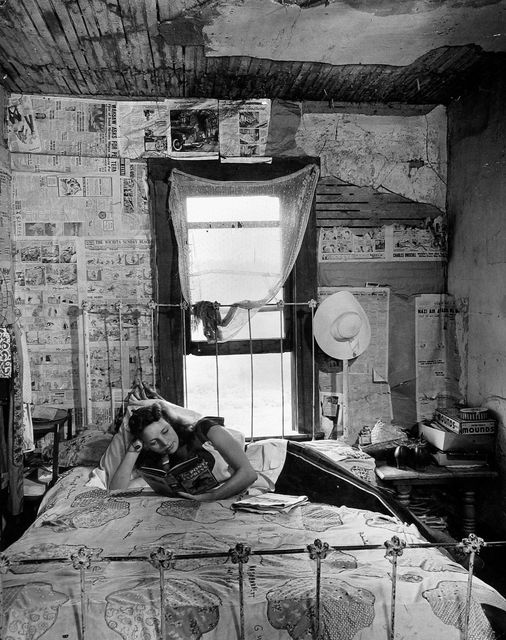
341 326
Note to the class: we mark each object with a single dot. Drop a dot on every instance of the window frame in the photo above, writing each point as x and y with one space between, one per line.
300 286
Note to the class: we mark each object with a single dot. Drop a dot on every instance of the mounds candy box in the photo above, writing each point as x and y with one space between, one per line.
472 421
446 440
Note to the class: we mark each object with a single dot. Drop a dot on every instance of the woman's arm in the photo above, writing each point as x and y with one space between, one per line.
123 473
177 414
244 475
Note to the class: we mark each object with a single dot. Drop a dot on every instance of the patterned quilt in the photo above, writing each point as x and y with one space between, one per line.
202 594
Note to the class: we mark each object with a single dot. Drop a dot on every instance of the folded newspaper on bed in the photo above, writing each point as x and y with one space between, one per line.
269 502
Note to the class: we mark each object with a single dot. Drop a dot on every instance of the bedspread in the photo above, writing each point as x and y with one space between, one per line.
202 594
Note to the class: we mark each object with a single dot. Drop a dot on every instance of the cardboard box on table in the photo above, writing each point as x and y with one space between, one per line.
446 440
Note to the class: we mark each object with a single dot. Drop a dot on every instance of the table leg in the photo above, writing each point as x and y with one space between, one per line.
56 453
468 512
403 494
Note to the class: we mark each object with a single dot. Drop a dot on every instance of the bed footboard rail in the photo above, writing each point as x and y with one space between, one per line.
164 560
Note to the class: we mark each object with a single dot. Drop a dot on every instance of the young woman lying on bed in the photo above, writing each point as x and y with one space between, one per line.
165 434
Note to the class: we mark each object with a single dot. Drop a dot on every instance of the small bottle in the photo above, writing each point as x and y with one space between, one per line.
364 437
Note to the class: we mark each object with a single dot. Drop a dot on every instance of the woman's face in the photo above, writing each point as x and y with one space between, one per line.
160 437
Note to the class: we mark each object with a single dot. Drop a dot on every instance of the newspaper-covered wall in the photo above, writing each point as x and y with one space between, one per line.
393 243
82 278
83 237
62 126
436 354
178 128
194 129
244 127
6 284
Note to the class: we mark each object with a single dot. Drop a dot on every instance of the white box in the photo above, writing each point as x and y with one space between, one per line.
446 440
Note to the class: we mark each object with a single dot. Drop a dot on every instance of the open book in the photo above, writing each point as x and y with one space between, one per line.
191 476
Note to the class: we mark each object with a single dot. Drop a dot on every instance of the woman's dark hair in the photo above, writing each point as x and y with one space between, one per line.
144 416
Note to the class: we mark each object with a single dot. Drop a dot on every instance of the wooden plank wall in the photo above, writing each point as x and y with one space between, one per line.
342 204
119 48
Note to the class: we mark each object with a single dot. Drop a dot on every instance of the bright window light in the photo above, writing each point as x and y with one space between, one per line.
232 209
235 254
234 379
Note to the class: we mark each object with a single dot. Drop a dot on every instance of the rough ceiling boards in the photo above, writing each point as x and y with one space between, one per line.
377 51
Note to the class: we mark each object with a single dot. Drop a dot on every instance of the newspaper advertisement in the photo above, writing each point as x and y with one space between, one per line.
143 129
118 268
368 388
351 244
426 241
436 354
63 126
81 205
135 219
22 132
179 128
244 127
193 129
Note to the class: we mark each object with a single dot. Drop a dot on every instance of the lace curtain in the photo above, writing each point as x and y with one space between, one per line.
243 261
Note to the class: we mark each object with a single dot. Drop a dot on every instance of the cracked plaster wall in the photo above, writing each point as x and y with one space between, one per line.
404 155
477 265
394 32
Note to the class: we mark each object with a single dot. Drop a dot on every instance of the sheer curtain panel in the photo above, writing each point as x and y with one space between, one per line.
224 252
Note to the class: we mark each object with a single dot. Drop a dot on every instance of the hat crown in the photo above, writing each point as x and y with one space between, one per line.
341 327
346 326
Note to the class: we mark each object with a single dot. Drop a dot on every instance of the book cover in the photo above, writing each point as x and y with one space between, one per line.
451 419
191 476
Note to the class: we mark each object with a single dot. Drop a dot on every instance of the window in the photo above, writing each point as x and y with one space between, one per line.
228 238
226 235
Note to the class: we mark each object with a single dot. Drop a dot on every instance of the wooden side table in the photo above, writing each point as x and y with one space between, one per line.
466 480
54 425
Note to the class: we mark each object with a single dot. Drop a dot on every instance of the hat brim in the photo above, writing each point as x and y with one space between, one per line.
326 314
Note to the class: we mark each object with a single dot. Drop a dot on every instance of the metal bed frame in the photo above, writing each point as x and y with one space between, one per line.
164 560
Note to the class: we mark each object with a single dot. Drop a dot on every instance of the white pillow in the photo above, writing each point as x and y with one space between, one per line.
116 450
267 457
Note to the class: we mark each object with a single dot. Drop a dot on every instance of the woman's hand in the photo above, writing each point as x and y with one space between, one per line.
141 391
149 392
